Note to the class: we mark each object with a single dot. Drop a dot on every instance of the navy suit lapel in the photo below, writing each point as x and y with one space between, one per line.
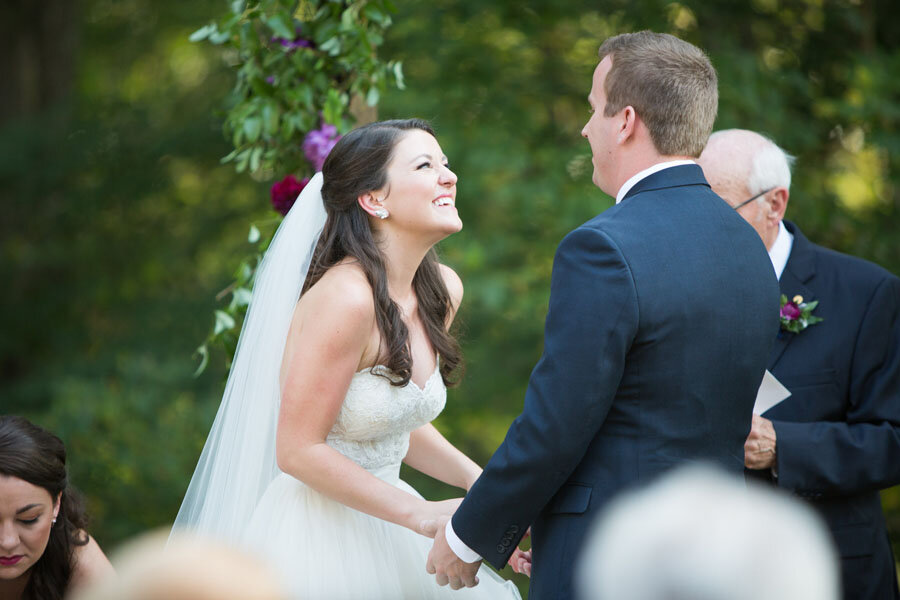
800 268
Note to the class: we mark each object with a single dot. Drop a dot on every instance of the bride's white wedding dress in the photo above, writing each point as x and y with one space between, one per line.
324 550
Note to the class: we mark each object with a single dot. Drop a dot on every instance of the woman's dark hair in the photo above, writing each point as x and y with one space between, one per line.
37 456
356 165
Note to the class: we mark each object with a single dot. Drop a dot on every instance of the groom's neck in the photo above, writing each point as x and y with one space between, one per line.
639 159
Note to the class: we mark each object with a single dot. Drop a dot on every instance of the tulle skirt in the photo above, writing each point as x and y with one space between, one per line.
324 550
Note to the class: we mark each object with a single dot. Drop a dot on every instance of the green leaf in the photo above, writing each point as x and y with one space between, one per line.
373 13
255 156
270 116
237 6
202 33
332 46
334 107
372 96
224 322
252 128
203 351
220 37
240 297
277 24
401 84
253 236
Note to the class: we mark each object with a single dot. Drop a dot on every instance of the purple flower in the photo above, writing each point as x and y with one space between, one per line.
298 42
790 311
318 144
285 192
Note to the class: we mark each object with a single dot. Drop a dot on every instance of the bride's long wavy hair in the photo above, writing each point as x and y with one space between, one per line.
356 165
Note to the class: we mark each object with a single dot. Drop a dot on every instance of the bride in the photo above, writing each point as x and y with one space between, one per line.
329 394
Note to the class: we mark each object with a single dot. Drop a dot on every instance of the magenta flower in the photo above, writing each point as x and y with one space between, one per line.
318 144
790 311
285 192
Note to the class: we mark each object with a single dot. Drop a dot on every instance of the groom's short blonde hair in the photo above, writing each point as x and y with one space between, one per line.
670 84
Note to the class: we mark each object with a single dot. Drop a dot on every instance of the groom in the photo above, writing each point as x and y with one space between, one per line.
662 314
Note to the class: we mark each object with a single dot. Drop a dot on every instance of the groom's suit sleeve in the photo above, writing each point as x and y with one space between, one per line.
592 320
862 452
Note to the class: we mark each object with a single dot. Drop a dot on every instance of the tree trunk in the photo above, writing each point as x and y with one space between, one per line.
38 43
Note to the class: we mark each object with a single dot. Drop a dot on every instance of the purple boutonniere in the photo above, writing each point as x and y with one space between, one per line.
796 315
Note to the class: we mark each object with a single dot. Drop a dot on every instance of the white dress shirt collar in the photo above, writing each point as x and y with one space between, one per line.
781 249
626 187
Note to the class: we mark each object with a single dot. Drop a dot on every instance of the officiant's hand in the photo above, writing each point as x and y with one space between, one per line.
759 449
426 519
445 565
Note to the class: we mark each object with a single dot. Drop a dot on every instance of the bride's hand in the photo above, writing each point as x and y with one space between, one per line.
520 560
427 518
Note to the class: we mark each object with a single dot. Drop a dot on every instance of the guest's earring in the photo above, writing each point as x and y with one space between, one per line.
53 521
382 213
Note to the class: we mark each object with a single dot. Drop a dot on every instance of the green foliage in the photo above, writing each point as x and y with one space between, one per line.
297 65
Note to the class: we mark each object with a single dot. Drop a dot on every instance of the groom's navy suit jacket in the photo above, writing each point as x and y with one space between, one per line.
838 435
662 315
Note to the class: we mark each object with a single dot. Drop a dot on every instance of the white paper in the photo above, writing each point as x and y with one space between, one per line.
770 393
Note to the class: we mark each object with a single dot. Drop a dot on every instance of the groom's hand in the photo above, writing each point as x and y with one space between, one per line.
445 565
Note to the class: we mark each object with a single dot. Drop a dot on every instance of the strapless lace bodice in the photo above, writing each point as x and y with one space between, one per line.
376 418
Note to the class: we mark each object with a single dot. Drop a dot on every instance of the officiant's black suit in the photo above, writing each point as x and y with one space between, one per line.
662 315
838 435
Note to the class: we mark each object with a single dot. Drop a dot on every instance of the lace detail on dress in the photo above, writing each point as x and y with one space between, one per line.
376 418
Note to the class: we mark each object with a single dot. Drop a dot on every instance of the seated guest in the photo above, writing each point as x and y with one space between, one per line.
184 568
45 551
836 439
702 534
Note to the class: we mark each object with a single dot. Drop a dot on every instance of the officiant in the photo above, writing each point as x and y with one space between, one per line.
836 440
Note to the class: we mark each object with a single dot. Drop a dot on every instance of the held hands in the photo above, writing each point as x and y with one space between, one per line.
759 449
520 560
443 562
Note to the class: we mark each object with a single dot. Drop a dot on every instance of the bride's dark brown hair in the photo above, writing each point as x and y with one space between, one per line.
357 165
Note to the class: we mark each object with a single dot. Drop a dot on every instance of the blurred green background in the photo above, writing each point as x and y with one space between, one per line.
118 225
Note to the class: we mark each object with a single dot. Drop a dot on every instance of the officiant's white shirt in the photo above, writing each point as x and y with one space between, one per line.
459 547
781 250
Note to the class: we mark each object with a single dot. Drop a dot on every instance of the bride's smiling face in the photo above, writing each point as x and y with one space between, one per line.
420 195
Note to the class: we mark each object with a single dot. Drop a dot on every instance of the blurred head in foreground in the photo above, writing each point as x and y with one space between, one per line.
187 568
698 534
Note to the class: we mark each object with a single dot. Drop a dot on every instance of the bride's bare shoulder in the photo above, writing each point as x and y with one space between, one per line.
343 290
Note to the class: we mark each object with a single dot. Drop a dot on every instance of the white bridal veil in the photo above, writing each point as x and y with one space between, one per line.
238 459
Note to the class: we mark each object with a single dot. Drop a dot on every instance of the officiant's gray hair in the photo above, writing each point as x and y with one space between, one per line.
751 158
702 534
670 84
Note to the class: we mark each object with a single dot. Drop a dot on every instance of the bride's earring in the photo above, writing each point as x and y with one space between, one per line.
382 213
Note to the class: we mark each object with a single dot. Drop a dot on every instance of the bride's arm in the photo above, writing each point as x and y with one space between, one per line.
429 451
328 337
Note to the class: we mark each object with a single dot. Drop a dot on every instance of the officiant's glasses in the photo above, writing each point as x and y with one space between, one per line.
748 201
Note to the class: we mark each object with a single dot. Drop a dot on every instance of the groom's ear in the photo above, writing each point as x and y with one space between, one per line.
627 124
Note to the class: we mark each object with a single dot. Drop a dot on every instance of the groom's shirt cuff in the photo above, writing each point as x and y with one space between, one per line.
459 547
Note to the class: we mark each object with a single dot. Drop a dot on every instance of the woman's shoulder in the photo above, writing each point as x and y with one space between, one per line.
338 306
89 563
344 288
